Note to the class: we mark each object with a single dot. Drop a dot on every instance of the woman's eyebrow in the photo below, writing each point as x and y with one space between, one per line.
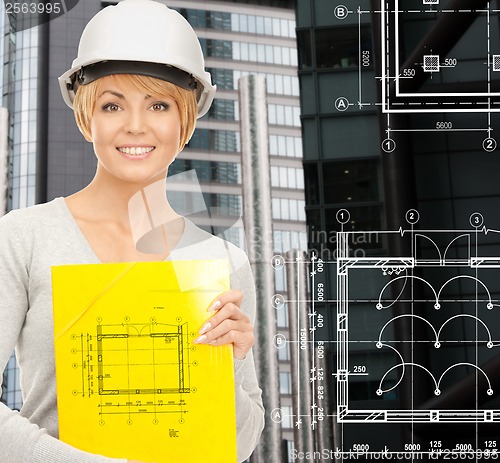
117 94
120 95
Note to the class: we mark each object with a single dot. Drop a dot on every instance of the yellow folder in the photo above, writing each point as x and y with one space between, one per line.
130 381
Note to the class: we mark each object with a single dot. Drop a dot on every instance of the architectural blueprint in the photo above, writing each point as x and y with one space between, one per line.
401 340
416 335
422 84
111 361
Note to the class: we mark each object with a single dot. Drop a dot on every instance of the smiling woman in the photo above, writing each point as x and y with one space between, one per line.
138 125
86 97
136 98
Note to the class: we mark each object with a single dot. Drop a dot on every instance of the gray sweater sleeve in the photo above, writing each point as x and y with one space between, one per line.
249 408
20 440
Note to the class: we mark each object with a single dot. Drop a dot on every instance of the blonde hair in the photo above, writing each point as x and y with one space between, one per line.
86 97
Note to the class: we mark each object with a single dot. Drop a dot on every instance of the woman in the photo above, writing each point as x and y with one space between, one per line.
136 98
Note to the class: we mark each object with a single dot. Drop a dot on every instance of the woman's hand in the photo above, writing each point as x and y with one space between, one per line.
229 325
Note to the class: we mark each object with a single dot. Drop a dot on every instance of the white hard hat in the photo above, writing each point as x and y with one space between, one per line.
140 37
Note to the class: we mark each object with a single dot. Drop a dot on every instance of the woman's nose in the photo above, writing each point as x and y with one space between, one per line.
136 122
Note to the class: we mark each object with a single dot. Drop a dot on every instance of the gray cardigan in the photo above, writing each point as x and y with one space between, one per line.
31 241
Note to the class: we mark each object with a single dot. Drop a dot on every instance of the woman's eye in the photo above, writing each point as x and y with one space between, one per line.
159 106
111 107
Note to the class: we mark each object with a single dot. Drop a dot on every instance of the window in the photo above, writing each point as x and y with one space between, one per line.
223 110
351 181
219 20
279 279
245 51
287 177
284 353
285 382
252 24
227 79
284 240
223 78
287 422
280 145
215 140
282 316
312 189
284 115
288 209
208 171
224 204
197 18
339 47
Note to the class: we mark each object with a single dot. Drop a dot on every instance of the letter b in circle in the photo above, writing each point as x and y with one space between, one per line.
340 12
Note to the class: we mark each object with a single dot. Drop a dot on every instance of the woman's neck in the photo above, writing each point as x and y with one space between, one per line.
126 222
121 202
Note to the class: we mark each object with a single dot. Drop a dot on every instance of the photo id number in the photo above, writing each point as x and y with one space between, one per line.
25 8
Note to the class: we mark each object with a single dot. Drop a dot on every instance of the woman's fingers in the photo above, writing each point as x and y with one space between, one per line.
228 325
233 295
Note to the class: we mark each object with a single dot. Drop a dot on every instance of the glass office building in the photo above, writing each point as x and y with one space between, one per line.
48 157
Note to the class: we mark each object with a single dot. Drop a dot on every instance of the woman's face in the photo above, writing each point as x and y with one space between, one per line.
135 136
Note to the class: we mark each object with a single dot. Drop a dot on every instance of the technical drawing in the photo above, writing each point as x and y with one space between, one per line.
435 77
444 295
134 339
464 267
113 364
403 89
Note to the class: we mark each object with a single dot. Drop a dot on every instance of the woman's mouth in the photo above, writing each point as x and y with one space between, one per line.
136 150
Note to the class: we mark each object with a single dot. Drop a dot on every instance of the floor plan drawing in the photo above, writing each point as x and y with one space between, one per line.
425 81
452 259
113 366
407 86
412 334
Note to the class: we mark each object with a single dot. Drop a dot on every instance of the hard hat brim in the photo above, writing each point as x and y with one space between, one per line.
73 78
160 71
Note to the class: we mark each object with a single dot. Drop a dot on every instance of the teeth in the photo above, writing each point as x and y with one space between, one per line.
136 151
